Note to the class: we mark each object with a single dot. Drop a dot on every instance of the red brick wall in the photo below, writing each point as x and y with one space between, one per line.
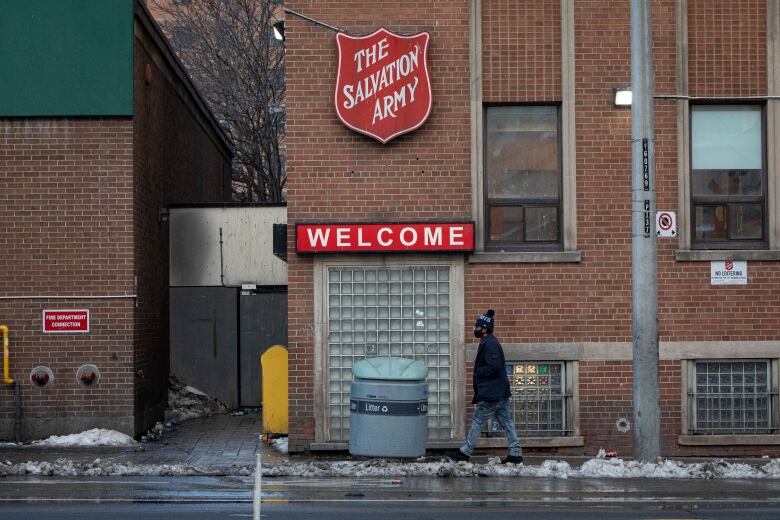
422 175
727 47
521 51
66 229
586 302
177 159
79 215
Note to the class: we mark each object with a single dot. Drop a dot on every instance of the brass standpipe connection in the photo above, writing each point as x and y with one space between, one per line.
7 379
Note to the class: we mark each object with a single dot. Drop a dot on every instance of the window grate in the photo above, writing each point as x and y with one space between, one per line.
380 312
732 397
538 402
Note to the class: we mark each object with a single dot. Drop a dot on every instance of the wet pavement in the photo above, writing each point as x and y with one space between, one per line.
416 497
226 442
221 441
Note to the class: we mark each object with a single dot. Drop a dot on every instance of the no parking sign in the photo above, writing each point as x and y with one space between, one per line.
665 224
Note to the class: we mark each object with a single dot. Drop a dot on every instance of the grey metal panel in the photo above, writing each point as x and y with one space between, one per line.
204 348
263 325
246 254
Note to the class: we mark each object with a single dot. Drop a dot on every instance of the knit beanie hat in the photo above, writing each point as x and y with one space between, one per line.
486 320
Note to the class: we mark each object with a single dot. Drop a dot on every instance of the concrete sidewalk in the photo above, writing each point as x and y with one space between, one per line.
219 441
228 442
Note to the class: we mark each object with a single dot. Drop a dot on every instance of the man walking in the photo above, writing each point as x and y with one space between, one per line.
491 393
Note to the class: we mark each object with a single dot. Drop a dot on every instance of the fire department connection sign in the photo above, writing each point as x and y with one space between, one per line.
383 88
64 321
366 238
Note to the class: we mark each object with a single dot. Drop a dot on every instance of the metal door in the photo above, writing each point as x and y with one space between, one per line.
263 324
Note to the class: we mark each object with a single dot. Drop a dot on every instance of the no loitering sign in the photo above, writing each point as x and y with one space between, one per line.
65 321
728 272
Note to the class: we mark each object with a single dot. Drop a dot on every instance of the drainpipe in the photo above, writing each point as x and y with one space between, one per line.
7 379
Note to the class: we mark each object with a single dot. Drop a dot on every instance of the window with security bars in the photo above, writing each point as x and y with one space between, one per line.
538 402
389 311
732 397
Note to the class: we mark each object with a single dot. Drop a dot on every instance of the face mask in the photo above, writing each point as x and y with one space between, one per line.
478 333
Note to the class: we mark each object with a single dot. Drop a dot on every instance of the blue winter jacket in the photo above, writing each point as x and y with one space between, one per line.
491 383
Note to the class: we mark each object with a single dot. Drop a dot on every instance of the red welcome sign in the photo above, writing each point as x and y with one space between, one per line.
383 88
363 238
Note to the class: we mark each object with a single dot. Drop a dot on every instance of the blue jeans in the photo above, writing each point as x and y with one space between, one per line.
484 411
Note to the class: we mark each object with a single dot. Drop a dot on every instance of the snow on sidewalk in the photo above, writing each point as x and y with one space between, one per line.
88 439
593 468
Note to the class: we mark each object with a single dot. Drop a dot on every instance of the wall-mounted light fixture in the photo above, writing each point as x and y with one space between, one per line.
622 96
279 30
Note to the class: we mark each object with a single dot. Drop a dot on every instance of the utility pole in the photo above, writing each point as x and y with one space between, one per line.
644 287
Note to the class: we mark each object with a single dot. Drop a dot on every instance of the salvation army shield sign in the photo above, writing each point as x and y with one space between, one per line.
383 88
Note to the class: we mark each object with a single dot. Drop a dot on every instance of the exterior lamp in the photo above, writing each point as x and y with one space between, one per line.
279 30
623 96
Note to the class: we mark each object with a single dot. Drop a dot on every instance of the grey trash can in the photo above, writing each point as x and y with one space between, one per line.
388 408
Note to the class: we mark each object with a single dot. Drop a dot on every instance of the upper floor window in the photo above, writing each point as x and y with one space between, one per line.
522 178
728 177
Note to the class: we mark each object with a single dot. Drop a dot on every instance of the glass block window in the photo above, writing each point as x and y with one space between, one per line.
538 402
732 397
389 311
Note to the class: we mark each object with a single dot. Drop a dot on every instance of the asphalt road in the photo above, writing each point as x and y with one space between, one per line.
171 498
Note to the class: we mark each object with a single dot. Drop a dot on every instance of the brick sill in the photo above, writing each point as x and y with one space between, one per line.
700 255
485 442
728 440
526 257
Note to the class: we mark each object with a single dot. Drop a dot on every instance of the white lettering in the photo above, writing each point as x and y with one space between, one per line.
348 89
383 45
370 86
361 243
342 237
433 236
456 236
404 232
318 235
411 90
384 231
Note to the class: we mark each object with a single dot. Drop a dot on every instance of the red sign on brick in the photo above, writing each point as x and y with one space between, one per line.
383 88
361 238
68 320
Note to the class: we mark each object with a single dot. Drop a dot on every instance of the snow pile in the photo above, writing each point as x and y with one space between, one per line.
281 445
90 438
593 468
99 468
599 467
186 402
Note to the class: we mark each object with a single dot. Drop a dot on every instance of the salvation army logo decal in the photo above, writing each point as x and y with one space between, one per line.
729 265
383 88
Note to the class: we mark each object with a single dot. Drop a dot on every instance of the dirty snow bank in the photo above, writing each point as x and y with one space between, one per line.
281 445
186 402
89 438
593 468
99 468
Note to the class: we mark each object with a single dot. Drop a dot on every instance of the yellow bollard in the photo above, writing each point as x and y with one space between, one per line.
7 379
274 369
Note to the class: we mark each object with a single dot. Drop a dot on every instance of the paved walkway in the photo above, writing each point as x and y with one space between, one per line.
218 441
